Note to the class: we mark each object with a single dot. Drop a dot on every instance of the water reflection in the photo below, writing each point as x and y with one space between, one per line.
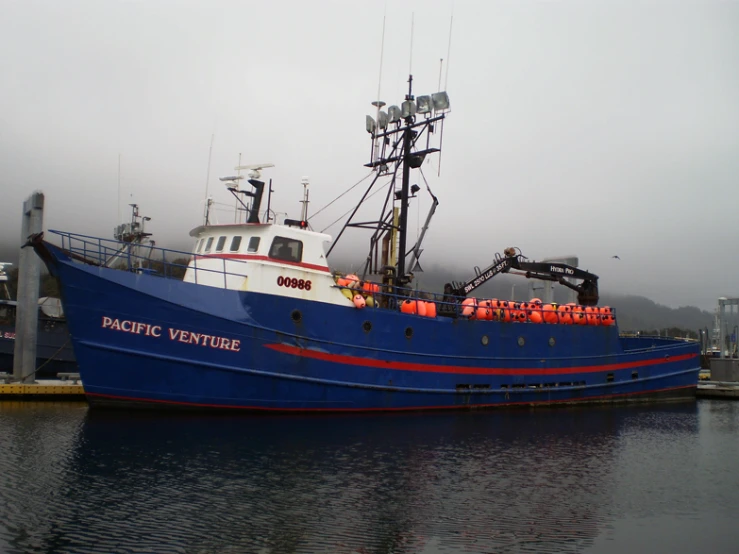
539 481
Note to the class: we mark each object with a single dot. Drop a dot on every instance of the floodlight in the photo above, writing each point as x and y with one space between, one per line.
378 103
424 104
370 124
231 178
393 113
408 109
441 101
382 120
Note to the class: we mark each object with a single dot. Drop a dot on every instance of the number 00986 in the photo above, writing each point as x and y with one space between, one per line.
293 283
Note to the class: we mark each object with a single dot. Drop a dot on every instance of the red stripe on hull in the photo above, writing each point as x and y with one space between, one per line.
466 370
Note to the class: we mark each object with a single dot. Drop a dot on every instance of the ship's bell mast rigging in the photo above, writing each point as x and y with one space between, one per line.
402 137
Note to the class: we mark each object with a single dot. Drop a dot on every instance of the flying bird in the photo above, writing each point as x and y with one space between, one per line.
616 257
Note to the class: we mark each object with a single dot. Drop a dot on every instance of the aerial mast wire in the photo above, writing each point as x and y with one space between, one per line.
207 181
410 61
119 186
448 52
379 103
446 82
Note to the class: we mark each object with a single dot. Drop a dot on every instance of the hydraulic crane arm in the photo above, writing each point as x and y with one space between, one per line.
587 290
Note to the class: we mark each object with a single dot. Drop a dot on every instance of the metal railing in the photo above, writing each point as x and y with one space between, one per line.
149 259
172 264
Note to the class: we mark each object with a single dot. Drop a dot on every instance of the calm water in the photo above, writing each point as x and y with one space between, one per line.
633 479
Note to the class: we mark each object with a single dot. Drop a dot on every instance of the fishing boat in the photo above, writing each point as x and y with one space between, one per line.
54 352
259 321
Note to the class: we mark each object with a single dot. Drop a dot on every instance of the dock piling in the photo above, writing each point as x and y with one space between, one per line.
26 319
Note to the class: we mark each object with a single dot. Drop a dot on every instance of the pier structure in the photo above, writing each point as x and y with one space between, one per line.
725 367
724 364
26 319
22 382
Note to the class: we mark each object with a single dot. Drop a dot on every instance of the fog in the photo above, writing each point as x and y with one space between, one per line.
577 128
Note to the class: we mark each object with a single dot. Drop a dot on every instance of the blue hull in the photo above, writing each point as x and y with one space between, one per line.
145 340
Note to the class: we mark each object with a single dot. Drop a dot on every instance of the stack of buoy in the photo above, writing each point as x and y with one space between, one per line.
360 293
417 306
535 311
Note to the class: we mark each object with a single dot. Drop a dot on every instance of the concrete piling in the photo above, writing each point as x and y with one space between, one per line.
26 319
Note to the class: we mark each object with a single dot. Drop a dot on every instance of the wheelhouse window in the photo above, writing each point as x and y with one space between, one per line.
288 250
200 245
208 245
253 244
220 244
235 244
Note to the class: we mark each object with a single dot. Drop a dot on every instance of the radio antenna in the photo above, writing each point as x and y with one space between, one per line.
448 52
382 53
410 62
119 186
207 181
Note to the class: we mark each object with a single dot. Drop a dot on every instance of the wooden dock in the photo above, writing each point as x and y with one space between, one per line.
69 387
718 390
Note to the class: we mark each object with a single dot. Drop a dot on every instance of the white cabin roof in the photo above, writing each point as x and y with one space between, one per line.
259 229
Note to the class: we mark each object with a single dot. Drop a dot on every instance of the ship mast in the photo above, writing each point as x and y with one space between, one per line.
405 185
402 136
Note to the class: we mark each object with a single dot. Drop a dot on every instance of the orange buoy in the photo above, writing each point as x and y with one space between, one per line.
549 313
608 319
370 288
469 307
342 282
484 310
504 314
578 316
430 309
359 301
535 315
565 315
353 281
535 301
408 307
592 316
421 308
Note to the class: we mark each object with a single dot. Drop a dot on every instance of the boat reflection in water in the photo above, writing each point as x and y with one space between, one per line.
550 481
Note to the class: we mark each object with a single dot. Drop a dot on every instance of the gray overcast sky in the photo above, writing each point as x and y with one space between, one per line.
590 128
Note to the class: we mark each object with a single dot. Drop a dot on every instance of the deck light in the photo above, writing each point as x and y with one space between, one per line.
440 100
424 104
382 119
408 109
393 113
370 124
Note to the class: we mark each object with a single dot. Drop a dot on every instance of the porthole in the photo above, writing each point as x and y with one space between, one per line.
521 341
485 340
296 316
367 326
408 332
552 342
